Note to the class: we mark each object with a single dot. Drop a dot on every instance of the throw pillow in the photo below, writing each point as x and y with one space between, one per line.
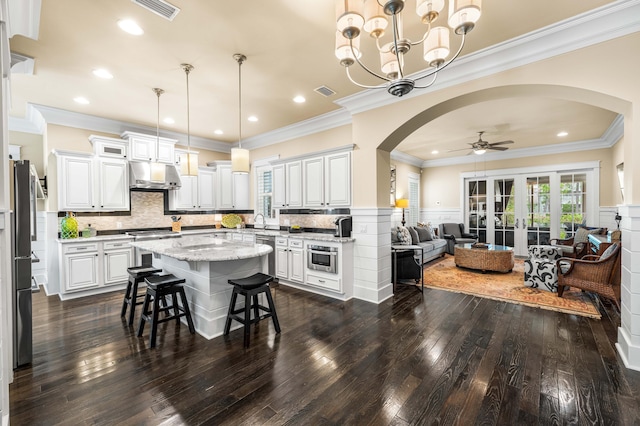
424 234
404 236
394 236
582 234
609 251
414 235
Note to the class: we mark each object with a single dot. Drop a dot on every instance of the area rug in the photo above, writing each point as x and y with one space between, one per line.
508 287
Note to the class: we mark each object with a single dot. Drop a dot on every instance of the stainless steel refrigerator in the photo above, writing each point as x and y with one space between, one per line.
23 231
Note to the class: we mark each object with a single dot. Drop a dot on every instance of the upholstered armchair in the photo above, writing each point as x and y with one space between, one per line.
454 234
591 273
577 246
540 269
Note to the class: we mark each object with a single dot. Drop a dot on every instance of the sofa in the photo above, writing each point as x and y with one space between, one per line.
407 263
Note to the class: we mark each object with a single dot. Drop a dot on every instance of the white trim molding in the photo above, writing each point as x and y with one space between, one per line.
628 344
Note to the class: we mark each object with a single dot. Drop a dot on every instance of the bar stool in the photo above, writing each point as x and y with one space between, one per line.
250 288
158 287
136 275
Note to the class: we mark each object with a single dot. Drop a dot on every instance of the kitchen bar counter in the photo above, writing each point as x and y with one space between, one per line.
207 263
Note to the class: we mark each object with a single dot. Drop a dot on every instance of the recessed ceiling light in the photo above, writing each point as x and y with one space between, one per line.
169 120
435 151
218 132
81 100
299 99
102 73
129 26
562 134
253 118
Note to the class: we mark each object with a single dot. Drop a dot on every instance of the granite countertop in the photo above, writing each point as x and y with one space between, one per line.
203 249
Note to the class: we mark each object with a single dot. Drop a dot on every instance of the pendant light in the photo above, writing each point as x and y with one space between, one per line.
158 169
188 162
239 156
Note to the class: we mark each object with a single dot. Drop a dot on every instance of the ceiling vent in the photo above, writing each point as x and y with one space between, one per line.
324 91
159 7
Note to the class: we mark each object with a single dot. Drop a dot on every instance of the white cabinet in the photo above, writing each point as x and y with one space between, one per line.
337 177
185 198
118 256
79 270
86 183
206 188
279 186
232 189
150 148
93 267
109 147
113 184
296 260
282 262
313 182
294 184
75 182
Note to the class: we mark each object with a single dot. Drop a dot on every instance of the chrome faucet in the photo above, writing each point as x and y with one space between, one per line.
255 221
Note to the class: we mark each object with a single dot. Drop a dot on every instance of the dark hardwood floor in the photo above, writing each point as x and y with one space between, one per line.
441 358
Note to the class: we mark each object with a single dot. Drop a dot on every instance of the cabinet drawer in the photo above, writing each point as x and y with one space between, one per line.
236 237
296 243
80 248
116 244
282 242
248 238
328 283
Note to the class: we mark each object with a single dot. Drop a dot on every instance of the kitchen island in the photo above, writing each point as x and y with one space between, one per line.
206 263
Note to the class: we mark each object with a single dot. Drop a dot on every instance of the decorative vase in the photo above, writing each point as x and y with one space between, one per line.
69 226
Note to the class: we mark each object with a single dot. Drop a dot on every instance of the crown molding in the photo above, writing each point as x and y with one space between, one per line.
608 22
406 158
24 18
33 122
99 124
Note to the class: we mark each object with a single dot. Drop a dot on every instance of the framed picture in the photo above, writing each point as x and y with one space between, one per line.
393 186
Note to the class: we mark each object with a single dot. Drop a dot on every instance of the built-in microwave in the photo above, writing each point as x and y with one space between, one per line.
322 258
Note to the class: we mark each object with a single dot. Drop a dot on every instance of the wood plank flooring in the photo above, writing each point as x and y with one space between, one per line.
442 358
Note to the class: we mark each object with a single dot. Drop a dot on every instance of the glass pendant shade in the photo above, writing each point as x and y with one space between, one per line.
350 17
343 49
239 160
436 46
389 63
375 21
158 172
463 14
428 10
479 151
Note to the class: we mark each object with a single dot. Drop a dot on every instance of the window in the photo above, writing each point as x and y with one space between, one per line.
264 192
414 199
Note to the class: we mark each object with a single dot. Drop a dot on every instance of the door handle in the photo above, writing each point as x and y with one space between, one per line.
517 226
524 223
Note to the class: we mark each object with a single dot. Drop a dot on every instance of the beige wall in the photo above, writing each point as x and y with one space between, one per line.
402 178
617 157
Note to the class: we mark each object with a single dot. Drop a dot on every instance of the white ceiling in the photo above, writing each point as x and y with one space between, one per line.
289 45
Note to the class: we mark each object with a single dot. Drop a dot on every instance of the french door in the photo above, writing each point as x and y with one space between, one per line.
529 208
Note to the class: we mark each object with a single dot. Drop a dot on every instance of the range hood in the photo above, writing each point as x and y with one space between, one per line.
140 176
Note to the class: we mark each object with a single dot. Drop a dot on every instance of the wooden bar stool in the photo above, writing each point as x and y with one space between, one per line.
158 287
250 288
136 275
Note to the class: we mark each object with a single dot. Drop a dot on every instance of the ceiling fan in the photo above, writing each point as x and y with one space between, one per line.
480 146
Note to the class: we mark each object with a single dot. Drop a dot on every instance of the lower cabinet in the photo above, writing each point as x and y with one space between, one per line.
290 259
93 266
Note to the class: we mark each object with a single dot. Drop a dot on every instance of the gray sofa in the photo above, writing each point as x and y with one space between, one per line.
407 262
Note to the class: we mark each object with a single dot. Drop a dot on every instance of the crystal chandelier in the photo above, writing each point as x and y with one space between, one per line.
372 15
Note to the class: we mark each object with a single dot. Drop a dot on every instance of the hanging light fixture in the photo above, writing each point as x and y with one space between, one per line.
158 170
239 156
371 15
188 161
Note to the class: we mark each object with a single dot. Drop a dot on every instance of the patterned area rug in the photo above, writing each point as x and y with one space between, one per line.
444 275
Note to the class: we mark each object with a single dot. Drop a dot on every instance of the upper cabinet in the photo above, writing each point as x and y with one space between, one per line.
109 147
322 180
150 148
88 183
232 189
196 193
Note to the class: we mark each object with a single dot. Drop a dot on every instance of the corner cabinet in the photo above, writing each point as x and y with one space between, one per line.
88 183
338 179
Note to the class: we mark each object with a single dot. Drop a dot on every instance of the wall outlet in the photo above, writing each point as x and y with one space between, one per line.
119 225
363 229
438 203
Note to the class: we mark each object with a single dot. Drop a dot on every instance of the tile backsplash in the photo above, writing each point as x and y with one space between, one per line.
147 211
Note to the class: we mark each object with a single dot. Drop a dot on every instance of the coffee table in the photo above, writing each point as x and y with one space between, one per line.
492 258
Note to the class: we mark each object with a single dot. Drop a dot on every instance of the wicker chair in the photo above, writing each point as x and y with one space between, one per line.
591 273
577 246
